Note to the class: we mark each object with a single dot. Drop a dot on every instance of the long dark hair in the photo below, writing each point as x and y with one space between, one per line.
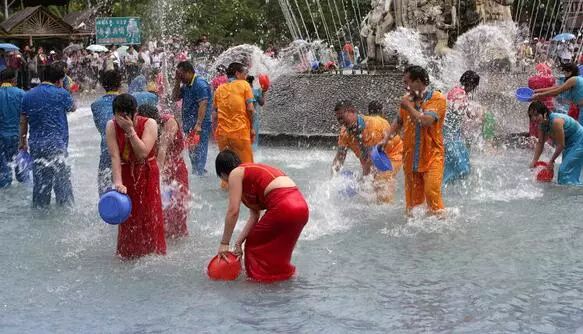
539 108
571 68
125 104
148 110
226 161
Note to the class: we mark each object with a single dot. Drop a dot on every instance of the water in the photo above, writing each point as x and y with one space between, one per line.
508 259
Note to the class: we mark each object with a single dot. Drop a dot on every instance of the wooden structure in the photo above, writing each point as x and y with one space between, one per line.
38 23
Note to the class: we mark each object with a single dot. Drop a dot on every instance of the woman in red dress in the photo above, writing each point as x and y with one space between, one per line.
131 142
269 240
174 172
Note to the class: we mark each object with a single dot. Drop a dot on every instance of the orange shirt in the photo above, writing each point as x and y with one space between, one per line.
372 129
231 101
423 146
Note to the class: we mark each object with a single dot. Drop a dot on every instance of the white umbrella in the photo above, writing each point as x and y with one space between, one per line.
97 48
122 50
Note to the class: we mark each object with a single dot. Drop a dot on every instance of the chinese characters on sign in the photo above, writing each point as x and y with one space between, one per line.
118 30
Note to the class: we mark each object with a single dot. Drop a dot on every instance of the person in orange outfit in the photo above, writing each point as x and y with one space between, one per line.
421 118
360 134
234 104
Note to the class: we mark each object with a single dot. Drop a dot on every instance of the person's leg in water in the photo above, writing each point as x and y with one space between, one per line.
241 147
198 154
432 181
62 186
43 173
385 183
457 161
104 174
570 169
8 149
414 191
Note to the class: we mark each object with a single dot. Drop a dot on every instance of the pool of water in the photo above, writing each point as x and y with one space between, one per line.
507 259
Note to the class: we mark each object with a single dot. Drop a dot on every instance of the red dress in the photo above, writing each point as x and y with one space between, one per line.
143 232
175 177
271 241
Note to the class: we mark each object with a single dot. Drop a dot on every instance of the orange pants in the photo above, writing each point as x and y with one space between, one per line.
384 183
241 147
426 186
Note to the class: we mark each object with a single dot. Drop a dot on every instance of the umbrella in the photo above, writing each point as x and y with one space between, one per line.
122 50
564 37
72 48
97 48
9 47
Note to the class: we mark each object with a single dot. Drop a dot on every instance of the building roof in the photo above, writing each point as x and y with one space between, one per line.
82 20
35 22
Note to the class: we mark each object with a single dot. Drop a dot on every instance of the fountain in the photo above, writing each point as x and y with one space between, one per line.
397 32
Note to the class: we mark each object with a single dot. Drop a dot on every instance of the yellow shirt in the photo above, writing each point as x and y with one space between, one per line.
423 146
231 101
372 133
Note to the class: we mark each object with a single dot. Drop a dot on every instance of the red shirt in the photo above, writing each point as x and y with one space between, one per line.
256 178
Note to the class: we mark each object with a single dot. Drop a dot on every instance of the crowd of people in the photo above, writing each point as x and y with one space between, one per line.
142 144
539 50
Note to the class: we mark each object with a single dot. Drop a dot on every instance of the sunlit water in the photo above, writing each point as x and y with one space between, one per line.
508 259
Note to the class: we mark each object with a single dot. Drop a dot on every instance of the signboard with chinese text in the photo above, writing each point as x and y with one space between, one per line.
118 30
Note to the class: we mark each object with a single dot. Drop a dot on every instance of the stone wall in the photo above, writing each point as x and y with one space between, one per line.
303 105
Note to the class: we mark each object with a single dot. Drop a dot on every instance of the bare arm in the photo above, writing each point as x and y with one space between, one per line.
393 130
202 105
554 91
538 150
338 161
115 157
168 134
558 135
143 146
23 132
235 193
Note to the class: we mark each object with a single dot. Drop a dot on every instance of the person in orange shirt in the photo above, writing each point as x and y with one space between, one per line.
360 134
234 104
421 118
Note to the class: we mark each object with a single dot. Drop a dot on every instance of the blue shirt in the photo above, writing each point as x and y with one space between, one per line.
102 110
138 84
194 93
46 107
146 98
572 129
10 109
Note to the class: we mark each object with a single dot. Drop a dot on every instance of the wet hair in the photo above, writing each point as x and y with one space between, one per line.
470 80
226 161
54 73
148 110
7 75
571 68
234 68
185 66
250 79
539 108
418 73
375 108
344 105
125 104
111 80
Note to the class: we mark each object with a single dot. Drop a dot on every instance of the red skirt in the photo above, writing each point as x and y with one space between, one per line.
143 232
175 214
271 241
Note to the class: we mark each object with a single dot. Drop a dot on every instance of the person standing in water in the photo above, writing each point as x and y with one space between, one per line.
258 103
196 98
567 135
44 116
269 238
10 109
173 171
421 117
235 112
131 142
360 134
457 158
571 89
102 110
